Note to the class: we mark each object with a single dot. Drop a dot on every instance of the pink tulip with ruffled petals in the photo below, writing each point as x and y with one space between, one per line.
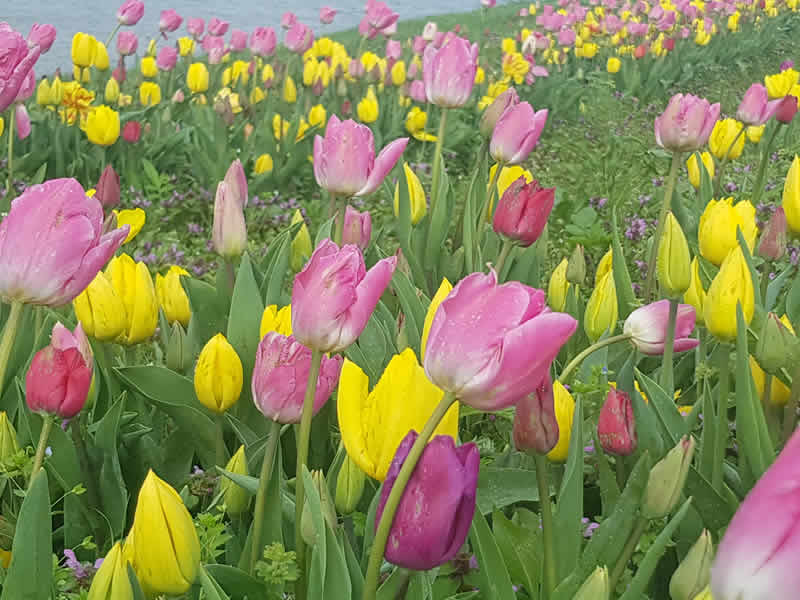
357 228
263 41
490 344
52 245
686 124
647 327
169 21
299 38
22 120
127 43
334 296
327 15
195 26
344 160
42 36
16 61
238 40
131 12
756 108
280 376
217 26
449 72
167 58
516 133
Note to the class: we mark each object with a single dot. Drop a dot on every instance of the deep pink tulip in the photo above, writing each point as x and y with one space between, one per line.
229 231
51 245
686 124
327 15
131 12
16 61
107 189
167 58
378 18
616 427
490 344
127 43
288 20
22 120
523 210
357 228
299 38
344 160
169 20
449 72
786 109
334 296
755 107
394 49
516 133
217 26
132 132
27 88
280 376
195 26
757 557
647 327
43 36
435 513
62 338
535 424
263 41
238 40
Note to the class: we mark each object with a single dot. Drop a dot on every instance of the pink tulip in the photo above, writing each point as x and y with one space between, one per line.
379 18
417 91
195 26
57 382
344 160
299 38
566 37
535 424
647 327
786 109
327 15
394 49
178 96
418 45
488 3
686 124
356 69
757 557
449 73
167 58
616 427
107 188
22 121
238 40
516 133
217 26
169 21
755 107
263 41
334 296
772 244
491 345
523 210
27 88
43 36
132 132
357 228
229 231
127 43
51 245
288 20
119 73
16 61
62 338
412 72
280 376
131 12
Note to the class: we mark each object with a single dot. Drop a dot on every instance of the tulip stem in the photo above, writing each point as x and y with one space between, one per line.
7 341
758 186
220 450
662 216
547 524
630 546
722 416
587 351
437 162
338 234
38 459
113 33
393 501
489 199
508 246
790 412
724 162
261 495
302 460
10 180
667 378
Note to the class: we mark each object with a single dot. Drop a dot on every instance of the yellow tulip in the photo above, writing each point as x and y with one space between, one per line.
43 93
317 116
84 49
444 289
398 73
279 321
289 90
779 393
733 285
416 119
239 71
112 90
367 108
126 100
791 196
589 50
102 126
166 553
111 580
718 224
302 247
417 199
564 405
148 67
693 168
257 95
613 65
263 164
673 265
603 267
100 309
508 46
725 133
695 295
601 309
279 127
2 125
101 61
754 133
267 73
374 423
778 85
235 497
309 72
172 297
197 78
558 287
134 217
185 46
218 375
132 283
149 93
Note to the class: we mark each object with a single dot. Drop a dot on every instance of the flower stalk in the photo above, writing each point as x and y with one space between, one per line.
662 216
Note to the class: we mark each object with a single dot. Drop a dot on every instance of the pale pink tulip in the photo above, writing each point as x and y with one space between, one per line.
22 121
327 15
238 40
516 133
195 26
217 26
429 32
379 18
167 58
299 38
131 12
229 231
357 228
288 20
449 72
647 327
755 107
127 43
16 61
263 41
686 124
169 20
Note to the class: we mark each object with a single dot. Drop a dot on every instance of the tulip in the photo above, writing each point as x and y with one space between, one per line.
417 198
357 228
42 36
535 424
131 12
289 90
435 514
772 244
84 48
217 26
522 211
111 580
22 121
276 320
195 26
9 445
787 109
755 109
564 405
178 358
101 310
780 84
172 297
666 480
673 267
185 46
218 375
449 72
282 362
127 43
349 486
379 18
326 15
333 296
238 40
112 91
263 41
491 345
444 290
102 126
508 99
616 427
693 167
197 78
264 164
558 287
647 328
235 497
229 231
726 139
779 392
613 65
100 62
133 218
601 309
508 175
718 225
167 58
44 94
398 73
299 38
756 558
516 133
169 21
686 124
133 284
595 587
344 160
777 346
402 400
149 95
132 132
367 108
166 555
732 285
791 196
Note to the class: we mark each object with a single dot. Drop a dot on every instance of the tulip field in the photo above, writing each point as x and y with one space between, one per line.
496 305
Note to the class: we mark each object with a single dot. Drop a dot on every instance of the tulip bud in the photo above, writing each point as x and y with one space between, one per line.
777 347
595 587
218 375
111 580
349 486
673 267
564 405
558 286
179 356
694 572
576 267
9 445
357 227
787 109
616 427
535 424
236 498
107 190
732 285
667 478
229 234
310 535
772 244
601 309
693 167
495 110
302 246
696 295
522 211
172 297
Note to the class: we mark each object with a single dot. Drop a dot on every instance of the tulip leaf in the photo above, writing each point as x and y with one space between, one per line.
236 582
526 266
622 278
495 582
246 435
325 231
353 568
413 308
438 225
369 528
30 573
208 311
113 491
647 425
469 218
138 594
748 257
665 408
246 482
276 276
521 549
775 287
569 509
715 509
319 549
501 487
793 303
211 588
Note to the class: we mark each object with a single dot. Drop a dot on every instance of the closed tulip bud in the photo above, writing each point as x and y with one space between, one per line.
112 90
101 61
616 427
197 78
349 486
84 48
558 287
289 90
694 573
727 138
613 65
127 43
302 246
693 167
148 67
516 133
695 296
732 285
667 478
102 126
276 320
596 585
172 297
131 12
602 309
754 134
111 580
576 267
134 285
417 197
791 196
149 95
56 91
357 228
449 72
167 58
496 109
522 211
9 445
445 287
755 107
786 109
42 35
101 310
307 529
368 109
777 346
229 232
43 93
718 224
235 497
673 267
218 375
535 425
564 405
604 267
686 123
772 244
179 356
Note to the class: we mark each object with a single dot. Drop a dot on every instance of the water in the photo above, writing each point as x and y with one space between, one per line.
99 18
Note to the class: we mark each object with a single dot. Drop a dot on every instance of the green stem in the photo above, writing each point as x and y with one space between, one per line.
662 216
758 186
92 495
586 352
261 495
7 341
667 378
38 459
10 180
338 234
722 416
489 199
508 246
392 502
547 524
331 205
724 162
437 161
221 457
230 274
790 412
302 460
627 552
111 37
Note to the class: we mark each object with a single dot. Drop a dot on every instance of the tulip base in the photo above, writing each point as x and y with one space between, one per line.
38 458
261 495
547 524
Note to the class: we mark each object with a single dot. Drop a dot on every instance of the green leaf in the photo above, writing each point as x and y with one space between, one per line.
492 573
775 286
606 480
521 550
276 276
501 487
211 588
622 278
138 594
665 408
793 303
569 509
715 510
236 582
209 311
325 231
751 266
413 308
113 491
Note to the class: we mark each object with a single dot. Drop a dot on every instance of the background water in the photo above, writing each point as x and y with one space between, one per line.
99 18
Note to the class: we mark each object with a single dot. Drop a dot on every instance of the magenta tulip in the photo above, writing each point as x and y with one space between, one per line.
22 120
535 424
299 38
435 513
131 12
326 15
169 20
167 58
490 344
449 72
217 26
516 132
107 189
280 376
523 210
344 160
263 41
757 557
51 244
127 43
357 228
238 40
16 61
616 428
686 124
334 296
647 327
229 231
195 26
42 36
755 107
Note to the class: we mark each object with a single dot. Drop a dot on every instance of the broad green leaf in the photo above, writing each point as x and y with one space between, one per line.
748 257
113 491
622 279
413 308
521 550
665 408
492 572
209 311
501 487
236 582
569 509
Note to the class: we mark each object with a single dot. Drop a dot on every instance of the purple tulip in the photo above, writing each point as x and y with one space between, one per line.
131 12
167 58
51 244
229 231
127 43
22 120
516 133
16 61
195 26
647 327
435 513
326 15
334 296
263 41
43 36
344 160
238 40
535 423
449 72
755 107
686 124
299 38
280 376
169 21
357 228
490 344
217 26
523 210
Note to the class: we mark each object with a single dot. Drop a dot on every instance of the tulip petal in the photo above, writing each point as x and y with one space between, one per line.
368 292
384 163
